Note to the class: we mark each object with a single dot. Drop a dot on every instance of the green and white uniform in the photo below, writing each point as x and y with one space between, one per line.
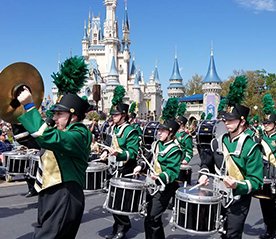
186 143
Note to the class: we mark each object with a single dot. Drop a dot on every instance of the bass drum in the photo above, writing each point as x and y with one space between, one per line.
150 133
209 129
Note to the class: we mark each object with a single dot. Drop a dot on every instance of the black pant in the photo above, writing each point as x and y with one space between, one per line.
157 204
268 207
236 215
60 209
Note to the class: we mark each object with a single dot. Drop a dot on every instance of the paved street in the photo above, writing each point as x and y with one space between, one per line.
18 215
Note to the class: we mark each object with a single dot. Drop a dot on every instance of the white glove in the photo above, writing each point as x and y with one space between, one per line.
25 97
137 169
103 155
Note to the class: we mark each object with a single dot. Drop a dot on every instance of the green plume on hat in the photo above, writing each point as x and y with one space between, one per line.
202 116
119 93
222 104
181 109
209 116
268 104
132 107
237 90
170 109
71 76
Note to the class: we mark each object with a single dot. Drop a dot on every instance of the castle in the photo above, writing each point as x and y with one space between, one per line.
110 64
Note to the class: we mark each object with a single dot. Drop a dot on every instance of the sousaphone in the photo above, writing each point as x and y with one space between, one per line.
12 80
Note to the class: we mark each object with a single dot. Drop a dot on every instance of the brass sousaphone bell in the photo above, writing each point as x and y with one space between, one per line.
12 80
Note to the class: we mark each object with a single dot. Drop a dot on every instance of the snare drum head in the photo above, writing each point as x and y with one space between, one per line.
96 167
127 183
203 195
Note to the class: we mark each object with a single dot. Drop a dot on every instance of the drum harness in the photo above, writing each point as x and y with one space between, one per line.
219 186
269 158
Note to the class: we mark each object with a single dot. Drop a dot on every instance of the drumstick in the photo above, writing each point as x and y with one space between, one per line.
104 146
196 186
152 169
128 175
221 177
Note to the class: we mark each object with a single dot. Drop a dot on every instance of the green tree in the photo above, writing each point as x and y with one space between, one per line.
194 86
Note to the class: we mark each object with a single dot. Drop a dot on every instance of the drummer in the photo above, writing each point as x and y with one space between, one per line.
268 206
185 141
166 162
237 164
124 146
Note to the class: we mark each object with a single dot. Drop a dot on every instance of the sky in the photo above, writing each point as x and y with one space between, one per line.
241 32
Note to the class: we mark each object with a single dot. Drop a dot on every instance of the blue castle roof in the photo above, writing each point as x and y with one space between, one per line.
212 75
113 70
191 98
175 74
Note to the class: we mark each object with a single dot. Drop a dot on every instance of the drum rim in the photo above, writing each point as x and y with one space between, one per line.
99 168
186 197
127 183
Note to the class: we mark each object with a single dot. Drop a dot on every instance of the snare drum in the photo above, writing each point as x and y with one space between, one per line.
266 191
185 174
34 159
125 196
17 164
96 174
197 211
6 155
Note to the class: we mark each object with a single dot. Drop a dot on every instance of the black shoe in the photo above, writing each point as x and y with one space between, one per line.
119 235
31 194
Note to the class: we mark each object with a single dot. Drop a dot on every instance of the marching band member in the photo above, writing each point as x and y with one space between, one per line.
166 162
165 168
60 177
62 170
268 206
238 158
124 146
185 140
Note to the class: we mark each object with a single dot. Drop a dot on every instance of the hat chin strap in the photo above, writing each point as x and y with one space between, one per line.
236 129
69 120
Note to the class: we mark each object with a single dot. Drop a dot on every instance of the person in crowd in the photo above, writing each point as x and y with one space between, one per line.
95 129
124 146
60 178
167 157
268 204
238 159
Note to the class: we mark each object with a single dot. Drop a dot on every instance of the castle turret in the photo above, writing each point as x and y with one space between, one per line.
211 88
176 87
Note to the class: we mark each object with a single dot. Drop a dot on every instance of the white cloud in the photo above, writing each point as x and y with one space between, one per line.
259 5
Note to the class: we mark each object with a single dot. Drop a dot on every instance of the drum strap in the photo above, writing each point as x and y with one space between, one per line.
268 153
231 167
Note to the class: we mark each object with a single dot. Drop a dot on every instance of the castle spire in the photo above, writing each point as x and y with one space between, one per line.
113 69
212 75
176 74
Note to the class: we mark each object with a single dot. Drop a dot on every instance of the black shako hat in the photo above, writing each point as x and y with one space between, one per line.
73 104
181 120
271 118
120 108
236 112
170 125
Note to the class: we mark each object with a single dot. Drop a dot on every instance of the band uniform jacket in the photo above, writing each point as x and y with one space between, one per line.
167 158
247 158
67 151
186 144
269 148
128 141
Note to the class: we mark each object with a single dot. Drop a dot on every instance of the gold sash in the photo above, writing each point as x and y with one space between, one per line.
268 155
156 164
231 168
